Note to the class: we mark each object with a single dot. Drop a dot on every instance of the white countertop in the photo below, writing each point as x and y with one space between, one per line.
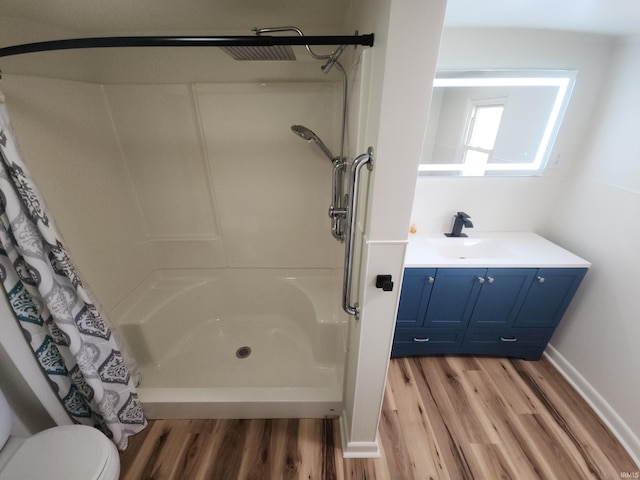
489 249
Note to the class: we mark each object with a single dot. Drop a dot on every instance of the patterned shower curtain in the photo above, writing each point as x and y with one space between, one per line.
70 338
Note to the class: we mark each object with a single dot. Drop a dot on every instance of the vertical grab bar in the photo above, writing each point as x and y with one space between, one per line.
352 210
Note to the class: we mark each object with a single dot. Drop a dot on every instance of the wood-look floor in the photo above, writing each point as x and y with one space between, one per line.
442 418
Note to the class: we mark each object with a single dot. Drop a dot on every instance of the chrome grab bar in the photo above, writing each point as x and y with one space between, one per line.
352 210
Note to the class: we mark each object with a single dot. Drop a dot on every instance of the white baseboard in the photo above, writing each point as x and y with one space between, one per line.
356 449
607 414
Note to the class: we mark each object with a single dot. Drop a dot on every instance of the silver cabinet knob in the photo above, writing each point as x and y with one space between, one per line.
490 279
480 279
540 279
431 279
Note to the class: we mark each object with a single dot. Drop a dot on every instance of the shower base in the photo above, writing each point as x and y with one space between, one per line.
236 344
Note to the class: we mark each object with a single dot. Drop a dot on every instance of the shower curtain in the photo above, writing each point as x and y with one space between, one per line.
70 338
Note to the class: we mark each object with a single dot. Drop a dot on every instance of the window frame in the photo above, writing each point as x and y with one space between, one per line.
473 105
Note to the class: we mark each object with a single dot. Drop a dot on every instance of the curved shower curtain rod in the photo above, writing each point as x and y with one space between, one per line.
198 41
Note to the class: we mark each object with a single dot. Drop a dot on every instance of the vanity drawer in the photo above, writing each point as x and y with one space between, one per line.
527 343
426 341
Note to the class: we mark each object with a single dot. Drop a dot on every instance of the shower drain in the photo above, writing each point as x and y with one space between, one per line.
243 352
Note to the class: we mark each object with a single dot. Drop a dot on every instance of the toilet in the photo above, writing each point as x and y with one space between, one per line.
69 452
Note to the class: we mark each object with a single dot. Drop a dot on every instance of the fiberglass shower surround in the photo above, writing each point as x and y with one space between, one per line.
259 47
287 308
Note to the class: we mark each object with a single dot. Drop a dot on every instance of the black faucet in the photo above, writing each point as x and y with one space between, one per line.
461 219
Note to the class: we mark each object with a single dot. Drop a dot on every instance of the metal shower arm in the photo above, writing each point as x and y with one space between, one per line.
330 57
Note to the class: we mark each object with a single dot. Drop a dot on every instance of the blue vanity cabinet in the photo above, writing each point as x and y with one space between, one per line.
501 296
509 312
434 310
544 295
453 297
549 296
417 284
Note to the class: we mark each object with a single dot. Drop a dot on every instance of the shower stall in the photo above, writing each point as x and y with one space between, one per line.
200 223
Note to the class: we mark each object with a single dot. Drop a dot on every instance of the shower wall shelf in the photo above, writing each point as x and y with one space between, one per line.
186 41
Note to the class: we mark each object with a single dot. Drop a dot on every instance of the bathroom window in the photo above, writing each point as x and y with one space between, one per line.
483 124
494 122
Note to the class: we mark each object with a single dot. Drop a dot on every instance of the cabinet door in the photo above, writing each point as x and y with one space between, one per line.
453 296
549 296
414 296
501 296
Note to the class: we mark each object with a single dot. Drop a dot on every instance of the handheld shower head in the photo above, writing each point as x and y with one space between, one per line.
303 132
308 135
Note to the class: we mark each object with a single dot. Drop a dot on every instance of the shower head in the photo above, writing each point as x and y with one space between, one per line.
270 52
264 52
308 135
303 132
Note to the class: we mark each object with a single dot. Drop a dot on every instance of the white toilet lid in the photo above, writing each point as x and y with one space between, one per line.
70 452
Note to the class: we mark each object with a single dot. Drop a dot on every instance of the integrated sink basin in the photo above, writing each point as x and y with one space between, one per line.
463 248
488 249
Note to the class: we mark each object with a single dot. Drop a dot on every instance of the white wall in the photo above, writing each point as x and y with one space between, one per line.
515 203
393 124
597 217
